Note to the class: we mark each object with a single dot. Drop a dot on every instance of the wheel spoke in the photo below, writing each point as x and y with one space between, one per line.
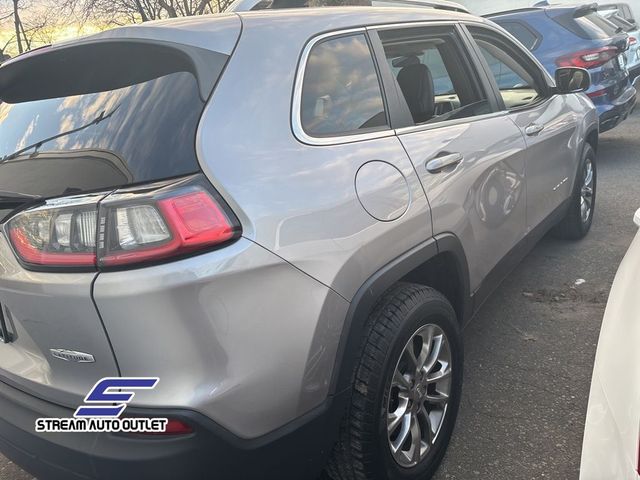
588 175
435 353
396 445
416 439
394 419
427 421
400 381
439 375
438 397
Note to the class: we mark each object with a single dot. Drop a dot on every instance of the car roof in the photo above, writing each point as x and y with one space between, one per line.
353 16
321 19
219 32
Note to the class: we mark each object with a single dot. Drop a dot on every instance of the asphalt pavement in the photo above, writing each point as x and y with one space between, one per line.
529 351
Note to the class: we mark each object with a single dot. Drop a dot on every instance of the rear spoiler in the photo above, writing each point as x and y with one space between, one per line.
586 9
577 11
103 64
109 59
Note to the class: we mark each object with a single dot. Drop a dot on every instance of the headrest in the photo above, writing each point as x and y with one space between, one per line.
416 83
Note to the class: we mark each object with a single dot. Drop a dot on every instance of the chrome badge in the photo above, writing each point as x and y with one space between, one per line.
72 356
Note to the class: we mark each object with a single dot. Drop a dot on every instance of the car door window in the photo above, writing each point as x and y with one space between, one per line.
341 92
520 81
433 74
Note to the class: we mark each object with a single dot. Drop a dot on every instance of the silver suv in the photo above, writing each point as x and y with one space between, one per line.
287 217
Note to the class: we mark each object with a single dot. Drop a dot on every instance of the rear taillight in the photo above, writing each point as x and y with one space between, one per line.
588 58
598 93
632 41
61 233
127 227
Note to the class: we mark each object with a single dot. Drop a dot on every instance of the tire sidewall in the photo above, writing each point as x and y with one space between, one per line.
440 313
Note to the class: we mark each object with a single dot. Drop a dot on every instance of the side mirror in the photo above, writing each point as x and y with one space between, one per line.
636 218
572 80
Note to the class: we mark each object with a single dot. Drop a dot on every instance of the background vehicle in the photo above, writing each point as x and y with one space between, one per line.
612 430
267 248
578 36
615 14
622 9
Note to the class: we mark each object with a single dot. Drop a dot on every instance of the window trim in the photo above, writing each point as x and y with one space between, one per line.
296 108
482 64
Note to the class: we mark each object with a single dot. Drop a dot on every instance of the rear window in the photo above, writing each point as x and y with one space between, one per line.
94 137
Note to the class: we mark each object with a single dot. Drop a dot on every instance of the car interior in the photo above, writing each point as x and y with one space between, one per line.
433 79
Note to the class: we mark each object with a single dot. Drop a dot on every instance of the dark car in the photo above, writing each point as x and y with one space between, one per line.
577 36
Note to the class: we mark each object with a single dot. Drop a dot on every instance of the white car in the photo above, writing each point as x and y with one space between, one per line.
611 444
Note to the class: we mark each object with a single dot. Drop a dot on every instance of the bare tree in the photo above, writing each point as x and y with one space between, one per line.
32 24
134 11
115 12
17 25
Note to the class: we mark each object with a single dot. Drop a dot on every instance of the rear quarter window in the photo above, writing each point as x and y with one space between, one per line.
341 92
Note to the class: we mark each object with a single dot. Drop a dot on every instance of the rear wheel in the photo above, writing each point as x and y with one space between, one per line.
577 223
406 390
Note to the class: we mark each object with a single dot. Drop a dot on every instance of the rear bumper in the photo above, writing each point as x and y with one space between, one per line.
297 451
611 114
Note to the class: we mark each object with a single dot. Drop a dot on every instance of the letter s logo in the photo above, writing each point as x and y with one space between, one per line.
101 398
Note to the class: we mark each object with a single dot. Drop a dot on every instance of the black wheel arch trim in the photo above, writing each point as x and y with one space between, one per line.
365 298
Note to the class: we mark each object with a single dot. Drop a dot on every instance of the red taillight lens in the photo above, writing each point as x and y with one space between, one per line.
588 58
632 41
135 226
597 93
164 228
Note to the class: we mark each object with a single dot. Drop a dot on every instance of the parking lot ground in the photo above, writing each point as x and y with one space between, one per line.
529 351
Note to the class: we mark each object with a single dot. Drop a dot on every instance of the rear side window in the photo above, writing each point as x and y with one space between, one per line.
341 92
85 131
433 75
523 33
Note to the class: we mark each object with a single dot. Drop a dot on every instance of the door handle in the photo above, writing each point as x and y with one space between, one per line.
533 129
436 165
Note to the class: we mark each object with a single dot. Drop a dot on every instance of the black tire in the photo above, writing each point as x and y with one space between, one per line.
363 450
572 226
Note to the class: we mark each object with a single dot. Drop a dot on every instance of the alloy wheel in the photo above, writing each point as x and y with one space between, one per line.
419 395
586 193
